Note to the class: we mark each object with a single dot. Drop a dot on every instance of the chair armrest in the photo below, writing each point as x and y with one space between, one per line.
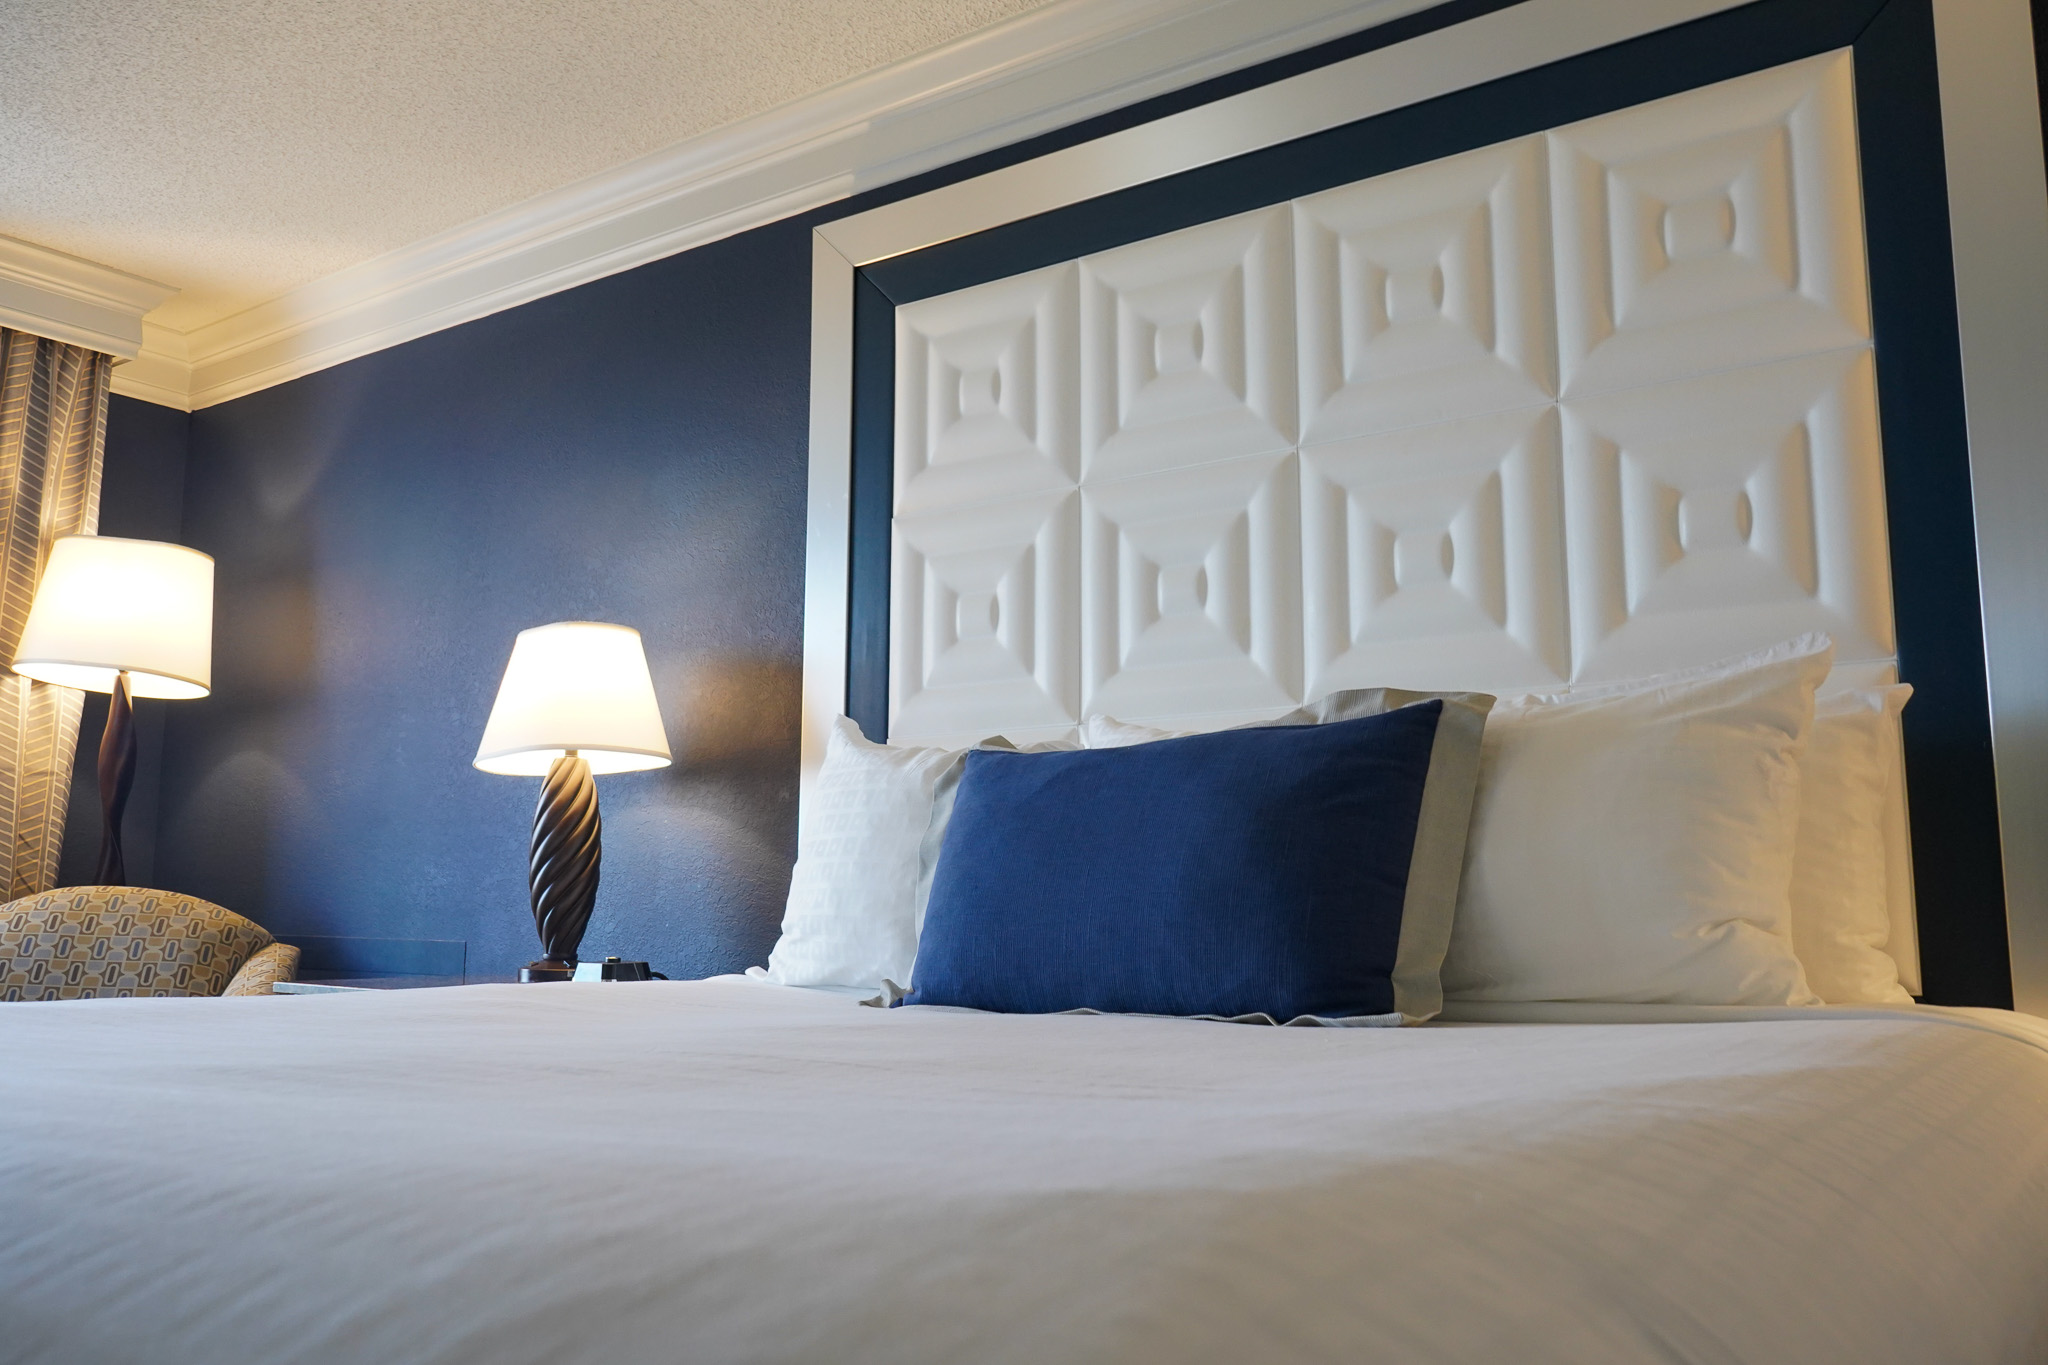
267 966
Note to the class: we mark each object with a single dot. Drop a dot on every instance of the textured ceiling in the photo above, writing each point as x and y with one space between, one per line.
236 150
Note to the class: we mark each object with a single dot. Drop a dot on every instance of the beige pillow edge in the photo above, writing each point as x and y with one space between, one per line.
1881 706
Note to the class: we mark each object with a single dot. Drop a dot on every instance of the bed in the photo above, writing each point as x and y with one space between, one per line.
1594 372
732 1171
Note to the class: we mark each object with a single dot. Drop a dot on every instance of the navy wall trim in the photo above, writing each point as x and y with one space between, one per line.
873 497
1958 868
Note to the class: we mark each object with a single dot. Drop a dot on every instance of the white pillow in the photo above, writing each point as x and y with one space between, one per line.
1636 843
1841 912
870 840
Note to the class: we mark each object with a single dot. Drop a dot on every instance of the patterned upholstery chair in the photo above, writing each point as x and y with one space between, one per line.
80 941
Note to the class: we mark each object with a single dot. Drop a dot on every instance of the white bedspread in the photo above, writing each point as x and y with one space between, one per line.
727 1171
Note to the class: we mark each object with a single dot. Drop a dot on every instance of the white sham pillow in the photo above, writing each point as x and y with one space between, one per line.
1841 910
872 825
1635 843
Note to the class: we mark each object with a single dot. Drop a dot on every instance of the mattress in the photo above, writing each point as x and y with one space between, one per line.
730 1171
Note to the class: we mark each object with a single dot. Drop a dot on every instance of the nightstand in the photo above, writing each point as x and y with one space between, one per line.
361 983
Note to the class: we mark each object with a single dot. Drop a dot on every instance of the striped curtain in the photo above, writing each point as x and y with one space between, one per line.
53 425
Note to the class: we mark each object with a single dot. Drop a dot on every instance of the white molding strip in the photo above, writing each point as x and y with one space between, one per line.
70 299
1040 71
827 531
162 373
1998 213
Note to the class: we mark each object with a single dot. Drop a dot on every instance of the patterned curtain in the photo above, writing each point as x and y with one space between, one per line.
53 425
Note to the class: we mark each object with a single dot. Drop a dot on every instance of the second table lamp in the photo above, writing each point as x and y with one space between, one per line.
576 701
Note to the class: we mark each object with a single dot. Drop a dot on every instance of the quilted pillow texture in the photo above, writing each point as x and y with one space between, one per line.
1285 872
83 941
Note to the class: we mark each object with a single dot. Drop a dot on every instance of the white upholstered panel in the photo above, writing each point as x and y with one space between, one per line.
985 587
1582 406
985 392
1716 228
1436 556
1187 347
1708 514
1424 295
982 622
1192 591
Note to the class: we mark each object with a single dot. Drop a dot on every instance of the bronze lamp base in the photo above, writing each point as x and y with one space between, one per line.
562 867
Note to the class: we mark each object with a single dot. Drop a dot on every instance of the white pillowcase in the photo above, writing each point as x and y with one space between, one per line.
1841 911
870 841
1636 843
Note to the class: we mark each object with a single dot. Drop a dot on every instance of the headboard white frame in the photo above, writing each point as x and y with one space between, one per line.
1988 123
1998 213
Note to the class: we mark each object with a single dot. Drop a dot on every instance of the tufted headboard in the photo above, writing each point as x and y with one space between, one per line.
1610 365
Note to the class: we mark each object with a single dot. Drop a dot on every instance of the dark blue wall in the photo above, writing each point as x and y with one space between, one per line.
632 451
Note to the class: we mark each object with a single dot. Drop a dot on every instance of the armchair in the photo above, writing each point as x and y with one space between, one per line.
83 941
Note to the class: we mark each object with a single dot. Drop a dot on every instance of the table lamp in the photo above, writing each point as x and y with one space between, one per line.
130 617
576 701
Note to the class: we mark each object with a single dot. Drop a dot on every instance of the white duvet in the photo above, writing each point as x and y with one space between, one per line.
729 1171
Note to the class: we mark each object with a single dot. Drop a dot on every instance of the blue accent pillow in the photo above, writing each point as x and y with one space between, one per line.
1248 872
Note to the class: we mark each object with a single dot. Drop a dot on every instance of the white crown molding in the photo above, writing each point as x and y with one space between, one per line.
1043 70
67 298
162 372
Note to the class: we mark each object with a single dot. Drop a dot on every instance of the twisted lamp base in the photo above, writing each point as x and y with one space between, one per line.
117 777
562 869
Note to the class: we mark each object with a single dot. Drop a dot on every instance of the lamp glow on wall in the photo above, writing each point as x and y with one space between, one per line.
129 617
576 700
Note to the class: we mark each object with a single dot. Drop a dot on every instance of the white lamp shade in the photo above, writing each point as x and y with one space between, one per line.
574 685
106 606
